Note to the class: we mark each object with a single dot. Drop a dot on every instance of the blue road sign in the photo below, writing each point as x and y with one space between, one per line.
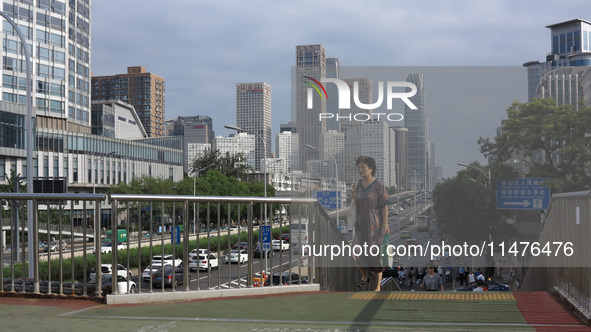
175 235
523 194
266 237
328 199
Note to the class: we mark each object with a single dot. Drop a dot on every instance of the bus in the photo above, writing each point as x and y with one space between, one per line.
423 224
121 236
298 231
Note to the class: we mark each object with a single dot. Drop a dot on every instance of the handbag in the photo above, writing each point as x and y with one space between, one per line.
352 214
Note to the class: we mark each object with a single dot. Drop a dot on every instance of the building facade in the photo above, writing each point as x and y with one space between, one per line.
253 115
238 143
416 123
310 64
145 91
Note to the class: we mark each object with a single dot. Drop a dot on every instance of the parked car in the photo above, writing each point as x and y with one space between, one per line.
257 253
167 260
153 268
123 286
286 278
196 252
237 256
107 247
168 276
240 245
279 245
492 286
284 237
108 269
206 262
54 246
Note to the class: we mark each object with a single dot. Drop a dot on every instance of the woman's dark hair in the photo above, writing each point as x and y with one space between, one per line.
369 161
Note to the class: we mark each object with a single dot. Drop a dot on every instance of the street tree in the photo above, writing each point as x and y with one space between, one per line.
555 139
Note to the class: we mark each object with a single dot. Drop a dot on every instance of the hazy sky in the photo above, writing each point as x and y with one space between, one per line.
203 48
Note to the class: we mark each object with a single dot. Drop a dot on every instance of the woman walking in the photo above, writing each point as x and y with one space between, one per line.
371 201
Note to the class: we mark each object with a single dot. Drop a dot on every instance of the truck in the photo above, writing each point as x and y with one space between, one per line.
121 235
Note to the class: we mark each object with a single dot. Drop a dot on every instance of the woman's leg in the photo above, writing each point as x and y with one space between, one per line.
378 281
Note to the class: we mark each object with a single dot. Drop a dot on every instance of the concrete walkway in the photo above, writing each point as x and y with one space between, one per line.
310 311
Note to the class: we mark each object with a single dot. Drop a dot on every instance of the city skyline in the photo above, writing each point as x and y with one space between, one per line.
465 34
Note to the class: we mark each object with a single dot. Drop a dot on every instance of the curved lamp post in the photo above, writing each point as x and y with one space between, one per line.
336 166
238 129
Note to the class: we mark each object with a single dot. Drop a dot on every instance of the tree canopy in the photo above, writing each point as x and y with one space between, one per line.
231 165
556 140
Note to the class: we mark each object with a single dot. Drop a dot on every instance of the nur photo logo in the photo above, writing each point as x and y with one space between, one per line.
344 97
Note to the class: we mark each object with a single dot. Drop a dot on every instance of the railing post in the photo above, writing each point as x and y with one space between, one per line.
250 236
186 245
114 243
36 249
98 250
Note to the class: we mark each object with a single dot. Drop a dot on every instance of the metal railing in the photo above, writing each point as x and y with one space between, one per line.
568 219
151 224
58 272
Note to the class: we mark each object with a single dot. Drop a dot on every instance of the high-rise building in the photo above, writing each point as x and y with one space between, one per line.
570 46
333 70
350 122
416 123
310 64
401 157
145 91
287 149
238 143
198 135
59 43
377 141
65 148
253 115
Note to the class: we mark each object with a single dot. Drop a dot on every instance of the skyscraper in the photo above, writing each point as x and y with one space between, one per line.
333 70
310 63
571 44
253 114
59 42
351 128
416 123
143 90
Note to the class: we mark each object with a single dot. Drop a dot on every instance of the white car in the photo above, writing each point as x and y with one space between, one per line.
279 245
54 246
122 285
154 267
194 258
206 262
107 247
237 256
108 269
167 260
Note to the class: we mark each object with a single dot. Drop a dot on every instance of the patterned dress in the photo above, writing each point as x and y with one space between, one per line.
370 201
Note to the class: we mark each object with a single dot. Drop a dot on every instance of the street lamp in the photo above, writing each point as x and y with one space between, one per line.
238 129
195 175
336 166
30 141
488 186
481 170
94 171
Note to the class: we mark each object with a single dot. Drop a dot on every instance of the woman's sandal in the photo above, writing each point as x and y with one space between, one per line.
365 282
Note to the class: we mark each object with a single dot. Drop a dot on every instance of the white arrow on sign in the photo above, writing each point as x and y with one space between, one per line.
524 203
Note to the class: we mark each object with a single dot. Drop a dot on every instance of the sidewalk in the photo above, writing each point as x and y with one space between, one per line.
312 311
